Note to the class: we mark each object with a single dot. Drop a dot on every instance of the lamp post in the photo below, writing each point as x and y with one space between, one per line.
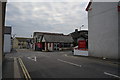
81 27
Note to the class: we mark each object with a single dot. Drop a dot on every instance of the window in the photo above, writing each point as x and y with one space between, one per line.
66 44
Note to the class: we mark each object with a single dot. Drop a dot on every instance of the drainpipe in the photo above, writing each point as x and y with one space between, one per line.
118 30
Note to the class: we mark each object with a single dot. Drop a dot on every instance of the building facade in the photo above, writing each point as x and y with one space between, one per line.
51 41
22 43
7 39
80 35
103 26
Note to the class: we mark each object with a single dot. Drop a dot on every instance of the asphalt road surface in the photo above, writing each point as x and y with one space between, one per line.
64 65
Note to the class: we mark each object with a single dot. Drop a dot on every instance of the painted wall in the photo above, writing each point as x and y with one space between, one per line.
103 30
50 46
7 43
15 43
46 46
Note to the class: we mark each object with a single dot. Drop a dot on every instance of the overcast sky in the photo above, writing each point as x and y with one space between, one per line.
56 17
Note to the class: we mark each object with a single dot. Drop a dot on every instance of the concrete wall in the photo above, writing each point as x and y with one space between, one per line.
1 27
103 30
7 43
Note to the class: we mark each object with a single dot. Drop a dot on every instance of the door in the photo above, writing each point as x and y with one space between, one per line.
43 46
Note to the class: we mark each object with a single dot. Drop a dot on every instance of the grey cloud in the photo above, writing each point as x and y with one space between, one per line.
61 17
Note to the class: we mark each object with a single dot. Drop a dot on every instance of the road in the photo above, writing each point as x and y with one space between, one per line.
64 65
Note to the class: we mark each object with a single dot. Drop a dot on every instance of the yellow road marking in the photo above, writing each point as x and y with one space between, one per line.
25 71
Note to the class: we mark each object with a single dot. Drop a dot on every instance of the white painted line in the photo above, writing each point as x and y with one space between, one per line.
69 56
35 59
65 54
70 63
111 74
28 57
43 55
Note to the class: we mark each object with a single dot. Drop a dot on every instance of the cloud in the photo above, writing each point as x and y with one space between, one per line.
50 0
63 17
59 0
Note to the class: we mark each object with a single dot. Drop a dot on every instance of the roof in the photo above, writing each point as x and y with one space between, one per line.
78 34
54 37
7 30
46 33
58 38
20 39
79 31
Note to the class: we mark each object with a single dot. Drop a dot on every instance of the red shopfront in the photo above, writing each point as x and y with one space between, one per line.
82 44
38 46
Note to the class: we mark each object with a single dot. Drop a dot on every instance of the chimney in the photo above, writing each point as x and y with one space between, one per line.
76 30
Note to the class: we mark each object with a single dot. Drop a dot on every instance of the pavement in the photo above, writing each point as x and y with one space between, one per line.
11 69
107 60
58 64
8 68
